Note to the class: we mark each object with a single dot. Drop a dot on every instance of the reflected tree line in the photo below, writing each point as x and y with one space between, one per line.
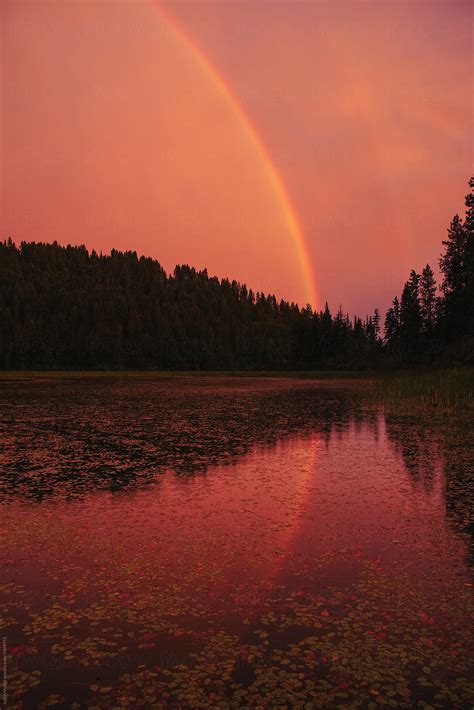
66 308
424 444
70 438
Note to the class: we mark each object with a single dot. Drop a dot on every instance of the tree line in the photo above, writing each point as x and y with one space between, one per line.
425 325
68 308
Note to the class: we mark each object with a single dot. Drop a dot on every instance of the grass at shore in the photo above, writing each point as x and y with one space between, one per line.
445 390
165 374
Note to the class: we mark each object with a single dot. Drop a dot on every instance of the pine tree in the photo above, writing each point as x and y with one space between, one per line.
62 307
392 327
452 261
469 260
427 295
410 317
457 266
376 323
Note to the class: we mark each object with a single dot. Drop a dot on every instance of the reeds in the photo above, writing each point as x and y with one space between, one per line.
446 390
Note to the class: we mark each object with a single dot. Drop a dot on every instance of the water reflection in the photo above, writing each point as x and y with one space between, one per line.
67 437
432 442
301 555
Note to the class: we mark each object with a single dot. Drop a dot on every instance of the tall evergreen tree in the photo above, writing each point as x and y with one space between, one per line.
452 262
376 323
410 317
428 302
457 267
469 260
392 327
453 267
65 308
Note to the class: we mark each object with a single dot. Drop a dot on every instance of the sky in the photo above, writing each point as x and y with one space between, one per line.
313 149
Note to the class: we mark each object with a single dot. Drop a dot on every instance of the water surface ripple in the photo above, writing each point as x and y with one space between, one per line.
232 543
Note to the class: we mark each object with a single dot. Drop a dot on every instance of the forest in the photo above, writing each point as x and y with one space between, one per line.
65 308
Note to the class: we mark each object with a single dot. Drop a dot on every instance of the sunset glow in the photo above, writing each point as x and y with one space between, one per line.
273 176
312 150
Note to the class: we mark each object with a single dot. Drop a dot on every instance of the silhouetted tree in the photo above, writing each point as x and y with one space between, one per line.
453 267
428 301
410 317
63 307
376 322
442 327
469 259
392 327
66 308
457 267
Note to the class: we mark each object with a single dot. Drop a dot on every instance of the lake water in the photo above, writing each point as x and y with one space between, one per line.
232 543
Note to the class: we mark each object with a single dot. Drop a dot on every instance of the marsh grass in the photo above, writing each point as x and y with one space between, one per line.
436 390
170 374
443 390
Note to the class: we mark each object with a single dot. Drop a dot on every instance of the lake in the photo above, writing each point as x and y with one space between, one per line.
194 542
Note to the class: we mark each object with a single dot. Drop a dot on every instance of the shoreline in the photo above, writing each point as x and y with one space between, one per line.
170 374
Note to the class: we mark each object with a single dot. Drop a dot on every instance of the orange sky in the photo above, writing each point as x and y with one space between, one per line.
312 149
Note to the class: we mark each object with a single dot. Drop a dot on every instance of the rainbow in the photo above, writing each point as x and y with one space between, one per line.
274 178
